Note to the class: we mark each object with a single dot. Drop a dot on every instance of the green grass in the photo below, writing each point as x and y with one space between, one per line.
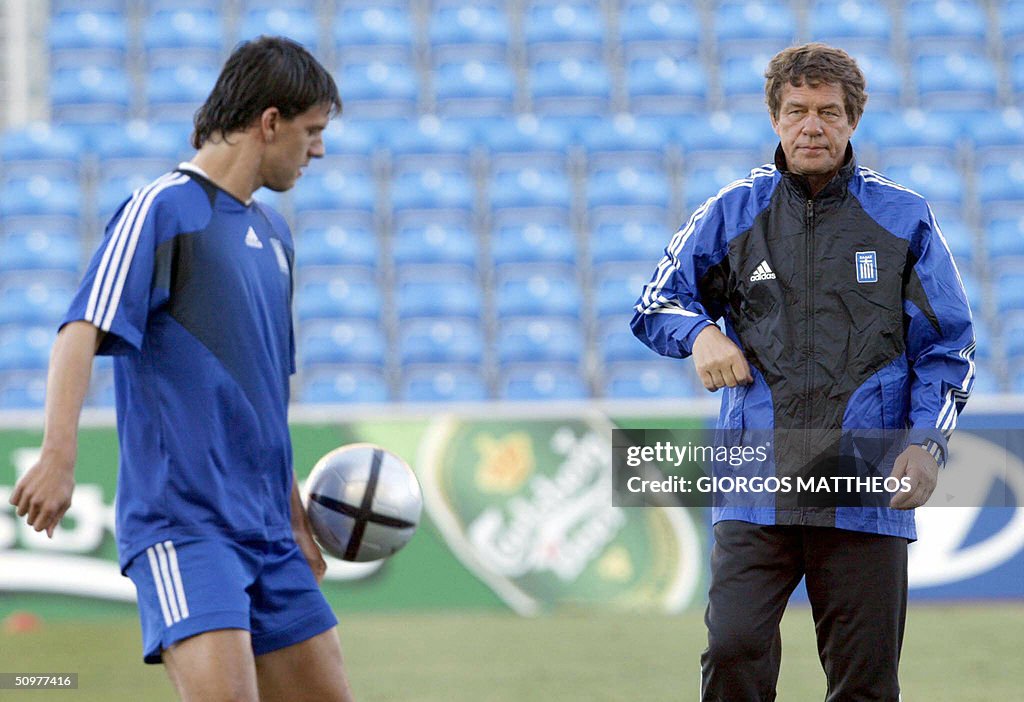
951 654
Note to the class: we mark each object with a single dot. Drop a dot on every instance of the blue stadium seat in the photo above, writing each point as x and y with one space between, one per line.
1011 23
616 341
569 86
178 91
40 147
346 138
706 137
997 132
1001 187
416 243
852 24
101 389
379 88
539 291
296 23
525 140
884 76
352 340
627 238
439 340
195 35
617 287
1013 337
1009 288
25 347
344 385
443 384
701 183
654 25
941 184
329 293
115 188
41 298
377 25
540 340
745 26
908 131
960 79
432 189
89 94
474 87
22 390
40 195
742 80
628 186
626 140
545 381
470 30
960 240
1004 238
336 245
58 7
140 139
37 249
77 38
666 84
533 242
335 189
1017 77
452 294
530 188
659 379
945 24
431 143
549 25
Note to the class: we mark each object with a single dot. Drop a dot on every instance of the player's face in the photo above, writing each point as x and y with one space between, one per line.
296 142
814 130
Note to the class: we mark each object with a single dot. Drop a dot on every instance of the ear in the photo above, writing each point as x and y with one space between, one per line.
269 122
774 121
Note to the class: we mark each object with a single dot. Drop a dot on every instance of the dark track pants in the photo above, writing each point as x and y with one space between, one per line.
857 586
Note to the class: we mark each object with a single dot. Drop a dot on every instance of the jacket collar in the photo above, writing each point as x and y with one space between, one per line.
835 188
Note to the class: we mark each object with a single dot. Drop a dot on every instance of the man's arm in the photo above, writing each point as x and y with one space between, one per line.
44 492
304 534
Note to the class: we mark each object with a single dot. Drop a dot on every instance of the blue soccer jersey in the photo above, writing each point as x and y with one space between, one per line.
193 289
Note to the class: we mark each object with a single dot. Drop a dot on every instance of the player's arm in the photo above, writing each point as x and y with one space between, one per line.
940 348
43 494
304 534
675 312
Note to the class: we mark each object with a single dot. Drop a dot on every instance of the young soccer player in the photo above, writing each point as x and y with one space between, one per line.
191 292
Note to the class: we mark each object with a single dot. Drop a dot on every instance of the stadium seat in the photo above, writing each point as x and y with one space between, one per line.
442 292
626 140
1013 336
434 243
22 390
1000 187
352 340
432 189
40 195
701 183
178 91
336 245
1004 238
997 132
666 84
113 189
616 341
540 291
707 138
1017 77
344 385
329 293
659 379
1009 288
474 87
960 79
78 38
38 249
140 139
742 80
439 340
25 347
298 23
195 35
884 76
379 88
443 384
530 188
617 287
854 25
38 148
1011 23
627 238
943 25
960 240
36 298
745 26
558 28
89 94
101 389
525 140
543 382
335 189
628 186
569 86
378 25
470 30
533 242
540 340
936 183
429 143
649 26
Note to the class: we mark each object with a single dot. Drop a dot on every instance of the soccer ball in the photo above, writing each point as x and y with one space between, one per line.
363 501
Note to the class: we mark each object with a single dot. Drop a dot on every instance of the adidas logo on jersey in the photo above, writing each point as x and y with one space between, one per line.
763 272
252 240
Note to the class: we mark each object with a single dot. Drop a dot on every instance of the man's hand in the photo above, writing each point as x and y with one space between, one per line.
44 492
719 361
920 467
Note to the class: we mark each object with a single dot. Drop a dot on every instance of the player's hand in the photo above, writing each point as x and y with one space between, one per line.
44 492
720 363
920 467
311 551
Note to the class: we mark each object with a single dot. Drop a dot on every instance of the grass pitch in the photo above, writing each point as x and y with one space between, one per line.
951 654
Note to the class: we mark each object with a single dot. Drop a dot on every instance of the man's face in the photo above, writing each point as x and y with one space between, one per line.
295 142
814 130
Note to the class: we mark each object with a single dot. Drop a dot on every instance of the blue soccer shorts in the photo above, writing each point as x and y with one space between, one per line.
193 586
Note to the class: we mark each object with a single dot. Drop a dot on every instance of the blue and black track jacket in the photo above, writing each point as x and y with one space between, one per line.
851 312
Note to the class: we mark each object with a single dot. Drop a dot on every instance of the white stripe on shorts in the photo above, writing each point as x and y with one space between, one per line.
159 585
172 557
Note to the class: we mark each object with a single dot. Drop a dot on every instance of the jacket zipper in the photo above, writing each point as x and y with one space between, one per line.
809 317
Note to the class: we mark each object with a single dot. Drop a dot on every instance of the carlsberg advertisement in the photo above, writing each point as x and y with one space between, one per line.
519 515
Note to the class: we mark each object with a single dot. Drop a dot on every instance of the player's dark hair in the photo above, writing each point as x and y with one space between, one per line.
263 73
815 64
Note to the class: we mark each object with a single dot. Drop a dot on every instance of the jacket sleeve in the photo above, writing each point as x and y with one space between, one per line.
680 301
940 340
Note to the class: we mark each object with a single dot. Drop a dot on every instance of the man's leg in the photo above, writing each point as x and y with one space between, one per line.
308 671
216 666
857 584
754 570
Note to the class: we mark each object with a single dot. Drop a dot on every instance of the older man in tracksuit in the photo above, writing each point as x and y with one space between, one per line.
848 343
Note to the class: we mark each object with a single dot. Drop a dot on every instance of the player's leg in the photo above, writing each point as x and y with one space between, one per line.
310 670
754 570
294 637
857 585
216 666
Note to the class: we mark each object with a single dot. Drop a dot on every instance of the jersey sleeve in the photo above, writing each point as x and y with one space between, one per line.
678 302
117 292
940 341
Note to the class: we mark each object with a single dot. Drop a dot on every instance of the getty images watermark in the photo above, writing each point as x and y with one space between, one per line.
795 469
